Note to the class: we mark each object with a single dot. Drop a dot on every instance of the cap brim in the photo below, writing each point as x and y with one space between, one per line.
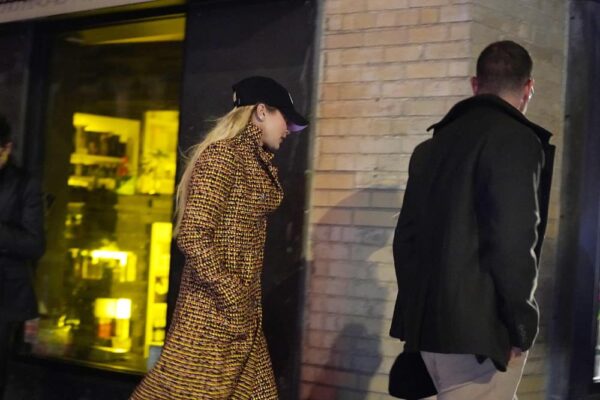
296 122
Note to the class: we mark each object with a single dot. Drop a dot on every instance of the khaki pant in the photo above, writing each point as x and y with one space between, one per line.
462 377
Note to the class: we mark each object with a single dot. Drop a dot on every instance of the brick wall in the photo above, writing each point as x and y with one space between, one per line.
389 69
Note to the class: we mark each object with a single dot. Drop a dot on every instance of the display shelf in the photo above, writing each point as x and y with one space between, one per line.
90 159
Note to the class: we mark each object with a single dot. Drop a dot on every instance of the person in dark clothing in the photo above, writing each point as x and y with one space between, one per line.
469 235
21 243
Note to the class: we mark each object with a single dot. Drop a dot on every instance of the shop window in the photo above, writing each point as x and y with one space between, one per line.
110 160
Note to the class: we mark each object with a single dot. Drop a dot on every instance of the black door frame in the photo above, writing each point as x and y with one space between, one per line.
575 325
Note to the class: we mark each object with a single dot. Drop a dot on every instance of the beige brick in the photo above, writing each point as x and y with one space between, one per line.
410 88
428 3
459 68
342 74
333 145
447 87
320 198
362 56
359 90
343 40
359 21
426 107
330 216
345 163
383 72
380 180
386 4
407 17
429 15
334 181
329 92
374 218
372 254
365 108
332 6
426 34
386 19
365 162
460 31
381 145
384 38
447 50
402 53
426 69
327 127
386 199
333 22
456 13
351 6
332 57
349 198
393 163
326 162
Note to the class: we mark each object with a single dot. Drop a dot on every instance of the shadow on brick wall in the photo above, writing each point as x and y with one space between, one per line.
345 350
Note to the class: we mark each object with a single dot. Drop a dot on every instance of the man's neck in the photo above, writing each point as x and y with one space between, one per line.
511 98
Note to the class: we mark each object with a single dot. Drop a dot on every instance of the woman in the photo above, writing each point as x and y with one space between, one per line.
215 348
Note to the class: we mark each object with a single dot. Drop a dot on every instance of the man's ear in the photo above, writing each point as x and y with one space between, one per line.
475 85
529 88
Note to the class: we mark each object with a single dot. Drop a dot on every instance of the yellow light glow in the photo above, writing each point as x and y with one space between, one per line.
112 308
112 255
104 308
123 309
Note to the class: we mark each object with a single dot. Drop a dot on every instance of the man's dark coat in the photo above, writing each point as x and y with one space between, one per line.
21 242
468 240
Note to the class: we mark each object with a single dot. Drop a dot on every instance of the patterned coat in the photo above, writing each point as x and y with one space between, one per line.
215 347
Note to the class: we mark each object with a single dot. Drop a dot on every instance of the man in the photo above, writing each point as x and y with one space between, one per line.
21 242
467 243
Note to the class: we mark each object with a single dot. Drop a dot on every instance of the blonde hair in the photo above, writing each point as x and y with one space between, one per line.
226 127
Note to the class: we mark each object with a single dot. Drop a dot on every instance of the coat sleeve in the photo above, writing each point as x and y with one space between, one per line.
509 215
405 237
209 189
25 239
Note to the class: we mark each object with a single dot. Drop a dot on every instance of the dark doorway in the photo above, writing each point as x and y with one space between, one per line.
226 42
575 351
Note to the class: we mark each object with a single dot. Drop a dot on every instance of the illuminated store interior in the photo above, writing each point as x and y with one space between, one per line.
110 162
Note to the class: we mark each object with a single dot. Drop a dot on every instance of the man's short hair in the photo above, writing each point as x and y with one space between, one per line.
4 131
503 66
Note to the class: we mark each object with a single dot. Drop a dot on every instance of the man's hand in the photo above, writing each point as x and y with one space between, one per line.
515 352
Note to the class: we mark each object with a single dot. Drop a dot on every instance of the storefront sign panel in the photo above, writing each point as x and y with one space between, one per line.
15 10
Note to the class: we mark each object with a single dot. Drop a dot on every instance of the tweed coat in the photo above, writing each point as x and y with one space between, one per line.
215 347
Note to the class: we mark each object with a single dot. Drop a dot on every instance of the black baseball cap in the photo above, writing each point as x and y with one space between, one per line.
260 89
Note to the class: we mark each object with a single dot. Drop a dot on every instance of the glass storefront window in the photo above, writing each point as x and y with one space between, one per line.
110 160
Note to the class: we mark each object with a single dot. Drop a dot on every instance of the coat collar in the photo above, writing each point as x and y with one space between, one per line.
490 101
251 135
